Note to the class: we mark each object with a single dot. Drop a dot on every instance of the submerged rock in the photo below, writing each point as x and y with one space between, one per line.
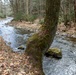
54 52
21 48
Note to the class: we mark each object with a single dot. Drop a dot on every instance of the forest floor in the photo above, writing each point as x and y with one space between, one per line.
26 25
69 31
11 63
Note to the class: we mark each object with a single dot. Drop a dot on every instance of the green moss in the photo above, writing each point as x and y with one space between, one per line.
32 38
55 52
21 48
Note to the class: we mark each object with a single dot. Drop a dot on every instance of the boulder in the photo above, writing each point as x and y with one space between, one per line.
54 52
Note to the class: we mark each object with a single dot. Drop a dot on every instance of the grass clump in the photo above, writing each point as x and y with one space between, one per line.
30 18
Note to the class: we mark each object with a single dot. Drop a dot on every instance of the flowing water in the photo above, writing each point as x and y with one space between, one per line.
13 37
66 66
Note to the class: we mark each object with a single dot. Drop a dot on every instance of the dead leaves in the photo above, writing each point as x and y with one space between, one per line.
11 63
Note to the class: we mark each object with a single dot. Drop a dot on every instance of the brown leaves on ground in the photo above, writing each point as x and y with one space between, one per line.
67 30
62 29
11 63
25 25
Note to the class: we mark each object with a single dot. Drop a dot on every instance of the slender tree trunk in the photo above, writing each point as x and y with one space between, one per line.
75 9
41 41
66 20
75 12
30 6
27 7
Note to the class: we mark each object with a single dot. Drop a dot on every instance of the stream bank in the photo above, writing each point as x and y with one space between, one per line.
13 63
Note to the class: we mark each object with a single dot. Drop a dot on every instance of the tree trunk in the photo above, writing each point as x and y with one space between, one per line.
75 12
41 41
66 14
27 7
75 9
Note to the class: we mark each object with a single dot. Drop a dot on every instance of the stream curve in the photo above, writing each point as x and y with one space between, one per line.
66 66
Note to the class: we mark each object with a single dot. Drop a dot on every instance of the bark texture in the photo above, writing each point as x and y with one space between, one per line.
41 41
75 9
75 12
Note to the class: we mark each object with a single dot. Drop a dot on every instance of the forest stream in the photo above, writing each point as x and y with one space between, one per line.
15 37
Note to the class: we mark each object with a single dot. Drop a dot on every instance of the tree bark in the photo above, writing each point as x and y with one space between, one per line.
41 41
75 9
75 13
27 7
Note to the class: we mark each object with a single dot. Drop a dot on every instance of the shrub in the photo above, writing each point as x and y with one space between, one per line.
2 15
30 18
18 16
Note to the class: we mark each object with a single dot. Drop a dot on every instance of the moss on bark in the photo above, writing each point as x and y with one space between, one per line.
41 41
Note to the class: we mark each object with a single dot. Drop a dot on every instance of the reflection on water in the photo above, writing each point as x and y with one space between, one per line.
73 39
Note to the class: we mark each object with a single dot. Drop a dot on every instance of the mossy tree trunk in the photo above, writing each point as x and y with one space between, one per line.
41 41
